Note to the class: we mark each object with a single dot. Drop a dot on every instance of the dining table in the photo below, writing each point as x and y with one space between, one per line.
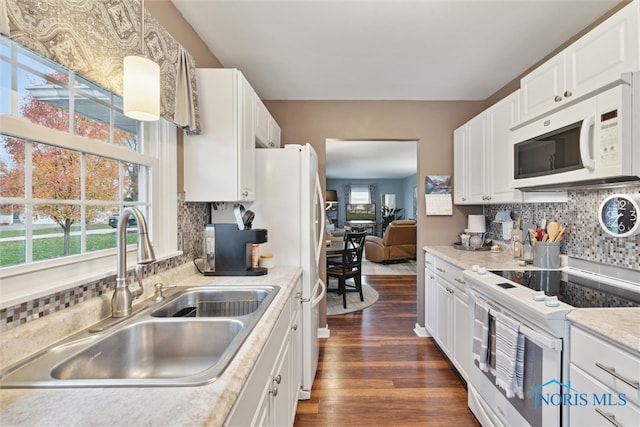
336 247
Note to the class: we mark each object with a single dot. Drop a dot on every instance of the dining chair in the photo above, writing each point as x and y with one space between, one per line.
349 267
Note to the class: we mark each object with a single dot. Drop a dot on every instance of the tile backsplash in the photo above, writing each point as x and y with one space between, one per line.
584 240
584 237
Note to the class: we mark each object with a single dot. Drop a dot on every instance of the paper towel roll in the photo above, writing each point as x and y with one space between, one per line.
476 224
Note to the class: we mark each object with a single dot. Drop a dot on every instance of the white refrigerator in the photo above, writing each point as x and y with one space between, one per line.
289 203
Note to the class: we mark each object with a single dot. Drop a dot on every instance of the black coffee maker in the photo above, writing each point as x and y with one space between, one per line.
233 251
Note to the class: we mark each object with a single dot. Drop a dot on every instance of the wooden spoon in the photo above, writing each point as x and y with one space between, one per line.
560 235
553 229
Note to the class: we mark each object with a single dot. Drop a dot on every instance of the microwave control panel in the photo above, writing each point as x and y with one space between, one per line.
609 138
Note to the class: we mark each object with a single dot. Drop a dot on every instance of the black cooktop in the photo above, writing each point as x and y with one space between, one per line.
576 291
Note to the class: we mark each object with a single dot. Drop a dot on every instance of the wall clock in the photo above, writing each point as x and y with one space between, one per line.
619 215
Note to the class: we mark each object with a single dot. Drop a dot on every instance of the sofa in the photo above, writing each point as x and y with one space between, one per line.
397 243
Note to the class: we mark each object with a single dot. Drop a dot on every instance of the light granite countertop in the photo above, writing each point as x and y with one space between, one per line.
621 325
206 405
617 324
502 260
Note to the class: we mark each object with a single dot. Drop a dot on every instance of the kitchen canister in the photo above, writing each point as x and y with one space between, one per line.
546 254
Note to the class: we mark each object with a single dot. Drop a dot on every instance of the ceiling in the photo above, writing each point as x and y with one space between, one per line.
384 50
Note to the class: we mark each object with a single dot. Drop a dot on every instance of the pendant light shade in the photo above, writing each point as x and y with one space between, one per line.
141 84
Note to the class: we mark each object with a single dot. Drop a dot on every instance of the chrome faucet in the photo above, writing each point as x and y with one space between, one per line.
122 296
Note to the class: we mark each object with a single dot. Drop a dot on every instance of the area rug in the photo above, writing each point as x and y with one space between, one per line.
334 301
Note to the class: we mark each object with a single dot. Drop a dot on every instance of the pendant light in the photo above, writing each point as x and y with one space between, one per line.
141 83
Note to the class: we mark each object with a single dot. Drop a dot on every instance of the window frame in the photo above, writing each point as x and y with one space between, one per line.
27 282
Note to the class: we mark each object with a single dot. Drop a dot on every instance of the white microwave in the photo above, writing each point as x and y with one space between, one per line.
595 140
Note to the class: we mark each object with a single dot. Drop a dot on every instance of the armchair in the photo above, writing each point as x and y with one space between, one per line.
398 242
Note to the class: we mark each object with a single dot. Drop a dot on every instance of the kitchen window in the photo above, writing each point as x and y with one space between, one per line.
69 162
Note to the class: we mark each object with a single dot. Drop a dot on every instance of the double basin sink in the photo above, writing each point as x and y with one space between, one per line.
187 339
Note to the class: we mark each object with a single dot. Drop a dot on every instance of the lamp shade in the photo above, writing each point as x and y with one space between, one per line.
141 84
476 224
331 196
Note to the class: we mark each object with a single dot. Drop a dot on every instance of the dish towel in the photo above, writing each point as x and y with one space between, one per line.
509 356
480 348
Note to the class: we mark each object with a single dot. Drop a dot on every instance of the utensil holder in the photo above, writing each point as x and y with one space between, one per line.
546 254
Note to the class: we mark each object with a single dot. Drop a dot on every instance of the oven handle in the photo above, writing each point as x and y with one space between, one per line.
536 337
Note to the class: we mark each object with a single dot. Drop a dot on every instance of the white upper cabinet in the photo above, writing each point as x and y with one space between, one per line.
274 133
500 118
262 123
483 156
460 159
477 159
593 61
219 164
267 129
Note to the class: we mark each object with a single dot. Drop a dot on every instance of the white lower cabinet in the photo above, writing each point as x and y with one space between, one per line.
606 377
443 315
449 305
270 395
429 293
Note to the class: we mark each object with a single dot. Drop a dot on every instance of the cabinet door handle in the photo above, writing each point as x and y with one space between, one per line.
462 282
441 270
558 98
609 416
612 371
431 277
295 327
567 93
277 379
274 391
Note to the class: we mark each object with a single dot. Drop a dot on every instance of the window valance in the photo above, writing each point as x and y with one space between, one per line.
92 37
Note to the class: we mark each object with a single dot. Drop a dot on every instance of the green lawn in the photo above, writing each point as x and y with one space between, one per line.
13 252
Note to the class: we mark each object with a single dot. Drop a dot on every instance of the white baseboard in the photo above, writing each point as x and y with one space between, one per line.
324 332
421 331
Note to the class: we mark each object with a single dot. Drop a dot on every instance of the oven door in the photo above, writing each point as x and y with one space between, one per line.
541 405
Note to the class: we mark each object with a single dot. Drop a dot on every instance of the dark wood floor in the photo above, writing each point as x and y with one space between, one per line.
375 371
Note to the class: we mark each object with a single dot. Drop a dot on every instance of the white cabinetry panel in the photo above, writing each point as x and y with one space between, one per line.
483 156
591 62
219 164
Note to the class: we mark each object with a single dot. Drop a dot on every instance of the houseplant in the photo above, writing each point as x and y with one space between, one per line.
389 215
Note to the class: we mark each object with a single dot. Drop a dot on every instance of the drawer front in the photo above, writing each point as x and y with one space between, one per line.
592 413
607 363
429 261
450 273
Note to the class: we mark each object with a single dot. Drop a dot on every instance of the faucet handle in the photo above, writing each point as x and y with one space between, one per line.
159 295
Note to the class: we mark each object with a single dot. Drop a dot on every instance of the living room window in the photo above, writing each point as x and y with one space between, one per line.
359 194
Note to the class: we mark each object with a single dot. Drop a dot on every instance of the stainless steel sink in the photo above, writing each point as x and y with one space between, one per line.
214 302
151 348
